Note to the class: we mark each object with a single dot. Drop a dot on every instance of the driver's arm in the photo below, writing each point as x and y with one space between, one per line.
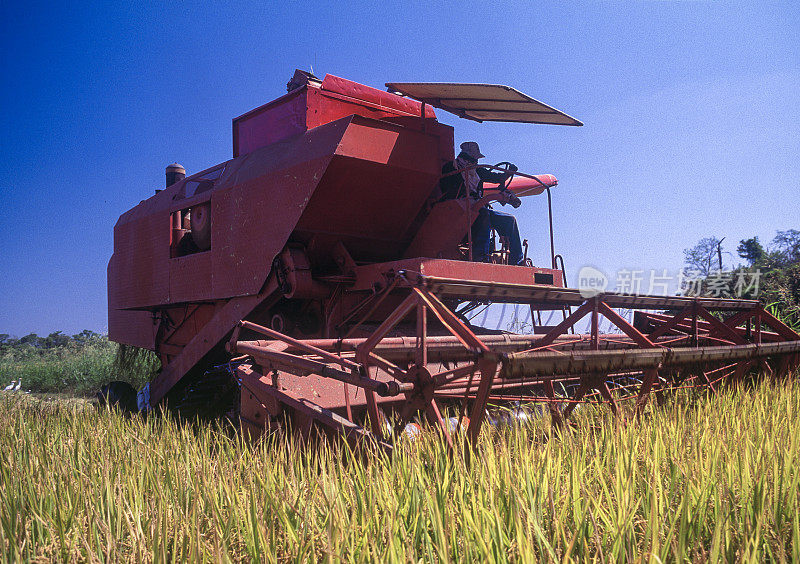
494 177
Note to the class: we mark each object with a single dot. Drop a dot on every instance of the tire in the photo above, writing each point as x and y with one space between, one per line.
118 394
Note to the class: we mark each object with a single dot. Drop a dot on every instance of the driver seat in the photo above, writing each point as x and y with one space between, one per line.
442 231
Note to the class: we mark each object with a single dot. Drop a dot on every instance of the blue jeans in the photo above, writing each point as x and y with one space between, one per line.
506 226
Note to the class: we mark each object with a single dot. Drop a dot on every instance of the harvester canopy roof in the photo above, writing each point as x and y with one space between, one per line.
483 102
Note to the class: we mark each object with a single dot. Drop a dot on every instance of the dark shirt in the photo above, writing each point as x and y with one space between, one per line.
453 187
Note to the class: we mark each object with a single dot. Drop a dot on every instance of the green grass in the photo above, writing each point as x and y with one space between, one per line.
74 369
714 479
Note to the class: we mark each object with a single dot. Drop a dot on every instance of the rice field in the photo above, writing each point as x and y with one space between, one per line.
703 479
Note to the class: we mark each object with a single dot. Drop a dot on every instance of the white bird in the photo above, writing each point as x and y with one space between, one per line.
18 386
10 387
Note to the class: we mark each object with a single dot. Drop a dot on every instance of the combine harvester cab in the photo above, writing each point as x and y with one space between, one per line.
316 278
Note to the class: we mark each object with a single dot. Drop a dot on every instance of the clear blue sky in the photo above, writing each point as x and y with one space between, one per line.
691 112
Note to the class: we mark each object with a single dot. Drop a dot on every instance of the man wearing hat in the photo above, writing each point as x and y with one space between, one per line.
470 184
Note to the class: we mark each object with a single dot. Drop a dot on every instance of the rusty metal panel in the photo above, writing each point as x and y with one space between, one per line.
372 191
252 222
483 102
444 228
475 273
365 206
254 214
138 272
135 328
313 105
392 145
190 278
324 107
270 123
386 101
501 273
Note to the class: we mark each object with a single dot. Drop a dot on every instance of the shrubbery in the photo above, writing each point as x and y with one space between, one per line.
777 269
79 364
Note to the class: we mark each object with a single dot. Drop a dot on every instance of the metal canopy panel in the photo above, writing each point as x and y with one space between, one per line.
483 102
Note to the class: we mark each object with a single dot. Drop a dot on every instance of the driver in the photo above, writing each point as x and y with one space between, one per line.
470 184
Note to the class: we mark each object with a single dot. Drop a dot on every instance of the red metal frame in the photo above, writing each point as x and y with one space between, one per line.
537 362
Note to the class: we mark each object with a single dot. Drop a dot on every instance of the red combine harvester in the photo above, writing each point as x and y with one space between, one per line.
316 278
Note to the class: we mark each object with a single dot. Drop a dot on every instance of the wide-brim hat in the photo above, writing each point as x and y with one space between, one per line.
471 148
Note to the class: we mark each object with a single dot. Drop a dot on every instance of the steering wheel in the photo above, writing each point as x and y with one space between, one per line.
506 168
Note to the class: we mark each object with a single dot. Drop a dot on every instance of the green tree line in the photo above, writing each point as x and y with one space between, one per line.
772 272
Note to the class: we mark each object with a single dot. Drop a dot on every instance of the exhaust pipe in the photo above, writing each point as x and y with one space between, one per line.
175 173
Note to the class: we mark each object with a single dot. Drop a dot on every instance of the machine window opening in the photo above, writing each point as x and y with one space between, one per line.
190 230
